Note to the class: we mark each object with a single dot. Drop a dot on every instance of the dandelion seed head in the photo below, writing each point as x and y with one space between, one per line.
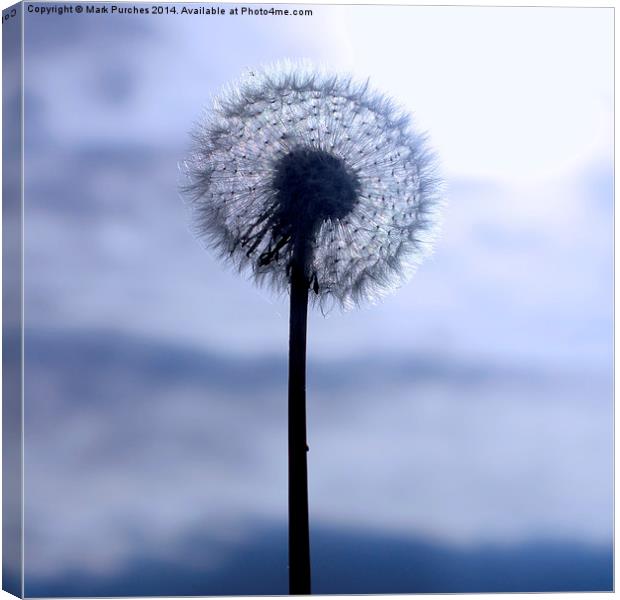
293 155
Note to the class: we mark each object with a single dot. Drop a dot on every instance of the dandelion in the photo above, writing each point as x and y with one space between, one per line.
320 187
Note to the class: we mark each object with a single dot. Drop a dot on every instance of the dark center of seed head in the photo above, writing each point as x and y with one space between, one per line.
313 186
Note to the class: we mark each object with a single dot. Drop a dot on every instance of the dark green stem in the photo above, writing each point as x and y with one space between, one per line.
299 533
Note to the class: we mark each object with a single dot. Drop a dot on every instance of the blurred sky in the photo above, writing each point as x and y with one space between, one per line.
472 407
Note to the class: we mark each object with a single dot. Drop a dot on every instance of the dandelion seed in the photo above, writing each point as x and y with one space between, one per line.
343 175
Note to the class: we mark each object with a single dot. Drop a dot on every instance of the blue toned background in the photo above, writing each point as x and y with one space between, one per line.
460 432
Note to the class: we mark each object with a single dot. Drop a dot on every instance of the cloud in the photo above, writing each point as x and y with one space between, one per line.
523 268
347 562
497 108
135 442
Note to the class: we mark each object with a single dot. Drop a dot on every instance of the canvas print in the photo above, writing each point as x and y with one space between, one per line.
307 299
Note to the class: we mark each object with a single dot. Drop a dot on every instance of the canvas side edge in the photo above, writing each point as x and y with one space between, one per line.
12 300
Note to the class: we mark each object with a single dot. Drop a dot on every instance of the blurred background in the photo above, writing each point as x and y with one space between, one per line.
460 433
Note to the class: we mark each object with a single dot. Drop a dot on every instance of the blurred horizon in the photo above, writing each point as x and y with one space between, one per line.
460 432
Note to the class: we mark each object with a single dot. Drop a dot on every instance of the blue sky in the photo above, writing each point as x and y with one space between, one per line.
472 407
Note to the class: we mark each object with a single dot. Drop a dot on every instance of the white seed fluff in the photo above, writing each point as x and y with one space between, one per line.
275 115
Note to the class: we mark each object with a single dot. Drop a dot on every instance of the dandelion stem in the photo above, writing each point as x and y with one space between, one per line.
299 533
